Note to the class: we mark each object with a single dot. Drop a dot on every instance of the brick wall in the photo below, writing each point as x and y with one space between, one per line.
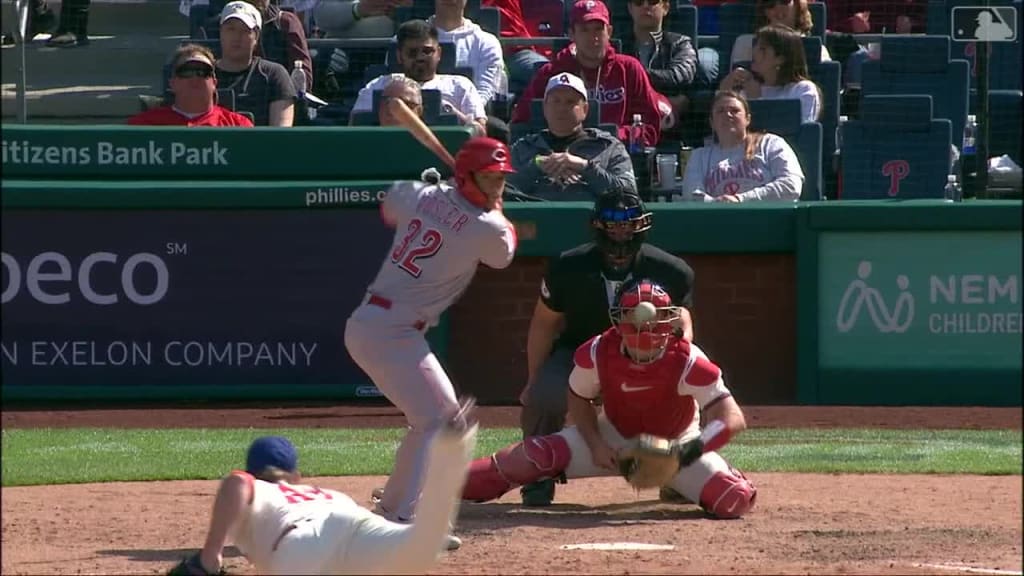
744 317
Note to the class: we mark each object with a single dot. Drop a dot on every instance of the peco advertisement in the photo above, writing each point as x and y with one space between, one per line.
923 300
196 297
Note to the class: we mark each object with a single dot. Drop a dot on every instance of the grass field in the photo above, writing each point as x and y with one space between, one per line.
63 456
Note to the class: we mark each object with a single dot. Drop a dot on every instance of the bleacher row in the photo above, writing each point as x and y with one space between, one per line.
904 118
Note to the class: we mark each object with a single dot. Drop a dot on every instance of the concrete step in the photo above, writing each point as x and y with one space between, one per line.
102 79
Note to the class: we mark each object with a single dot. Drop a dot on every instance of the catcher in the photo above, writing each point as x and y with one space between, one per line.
284 527
648 377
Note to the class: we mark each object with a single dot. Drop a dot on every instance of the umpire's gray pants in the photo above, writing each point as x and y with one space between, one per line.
548 401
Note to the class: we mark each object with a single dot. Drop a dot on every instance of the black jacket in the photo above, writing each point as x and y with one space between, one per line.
673 63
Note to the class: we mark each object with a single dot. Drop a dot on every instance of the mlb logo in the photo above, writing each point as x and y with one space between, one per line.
984 24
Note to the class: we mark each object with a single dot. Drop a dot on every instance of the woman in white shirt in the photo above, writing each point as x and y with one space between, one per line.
739 165
792 13
778 70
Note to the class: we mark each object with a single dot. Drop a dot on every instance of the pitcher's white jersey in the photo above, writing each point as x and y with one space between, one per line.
439 240
275 507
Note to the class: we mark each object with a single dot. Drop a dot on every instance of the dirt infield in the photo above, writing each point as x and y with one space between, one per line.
803 523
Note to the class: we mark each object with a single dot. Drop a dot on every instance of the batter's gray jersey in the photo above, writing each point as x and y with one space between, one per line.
439 240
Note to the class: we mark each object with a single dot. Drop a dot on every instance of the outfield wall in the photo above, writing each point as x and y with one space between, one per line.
143 282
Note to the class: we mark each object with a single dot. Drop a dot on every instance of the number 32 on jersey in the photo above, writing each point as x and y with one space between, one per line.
418 243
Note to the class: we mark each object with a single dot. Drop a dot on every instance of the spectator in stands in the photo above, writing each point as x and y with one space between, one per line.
74 22
261 87
419 54
778 70
194 86
878 16
567 161
668 57
617 82
474 47
357 18
402 88
283 39
523 61
739 165
41 20
792 13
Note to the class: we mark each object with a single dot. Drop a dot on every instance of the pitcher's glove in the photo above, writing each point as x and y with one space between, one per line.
191 566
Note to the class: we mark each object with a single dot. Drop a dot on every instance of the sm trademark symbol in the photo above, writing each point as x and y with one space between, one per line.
176 248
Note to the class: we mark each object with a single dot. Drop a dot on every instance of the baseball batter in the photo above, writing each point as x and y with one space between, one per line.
648 377
285 527
442 233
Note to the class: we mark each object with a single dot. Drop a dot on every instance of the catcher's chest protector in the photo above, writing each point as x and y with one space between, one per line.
644 398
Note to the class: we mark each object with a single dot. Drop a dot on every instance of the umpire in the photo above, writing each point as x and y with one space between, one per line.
573 306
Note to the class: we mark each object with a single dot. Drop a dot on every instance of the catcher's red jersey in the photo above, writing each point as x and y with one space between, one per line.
656 398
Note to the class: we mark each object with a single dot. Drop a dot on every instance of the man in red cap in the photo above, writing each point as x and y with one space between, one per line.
617 81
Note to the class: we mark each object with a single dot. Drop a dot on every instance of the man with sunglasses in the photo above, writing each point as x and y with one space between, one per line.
194 86
419 54
575 295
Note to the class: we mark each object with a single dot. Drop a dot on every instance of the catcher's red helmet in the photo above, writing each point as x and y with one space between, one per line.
644 336
480 154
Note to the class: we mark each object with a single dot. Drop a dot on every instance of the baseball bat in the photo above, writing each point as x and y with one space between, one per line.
419 130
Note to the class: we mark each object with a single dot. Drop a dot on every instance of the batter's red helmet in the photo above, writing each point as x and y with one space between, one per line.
480 154
647 336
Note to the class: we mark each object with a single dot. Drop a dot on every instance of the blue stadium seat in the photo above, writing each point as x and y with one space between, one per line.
819 15
921 65
1004 133
682 19
734 20
895 150
546 17
782 117
1004 57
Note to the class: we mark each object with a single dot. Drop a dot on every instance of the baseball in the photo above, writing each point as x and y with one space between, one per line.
643 313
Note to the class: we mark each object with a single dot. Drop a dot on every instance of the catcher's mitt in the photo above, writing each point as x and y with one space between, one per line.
650 462
191 566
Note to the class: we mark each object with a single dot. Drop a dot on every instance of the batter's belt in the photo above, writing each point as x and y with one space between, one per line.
382 302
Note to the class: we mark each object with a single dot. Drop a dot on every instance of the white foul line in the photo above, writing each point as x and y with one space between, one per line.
971 569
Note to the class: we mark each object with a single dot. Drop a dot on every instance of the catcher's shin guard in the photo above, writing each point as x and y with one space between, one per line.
533 459
728 494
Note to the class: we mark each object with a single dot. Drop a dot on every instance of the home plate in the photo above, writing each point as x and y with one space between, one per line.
617 546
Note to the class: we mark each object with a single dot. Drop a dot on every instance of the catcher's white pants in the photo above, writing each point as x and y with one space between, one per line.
689 481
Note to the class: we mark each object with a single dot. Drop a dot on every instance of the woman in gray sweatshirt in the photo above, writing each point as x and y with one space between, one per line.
739 165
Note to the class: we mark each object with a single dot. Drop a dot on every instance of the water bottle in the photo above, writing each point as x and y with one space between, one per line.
636 135
299 79
970 147
952 192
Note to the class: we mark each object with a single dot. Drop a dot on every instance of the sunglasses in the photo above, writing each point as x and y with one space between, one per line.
421 51
639 3
193 72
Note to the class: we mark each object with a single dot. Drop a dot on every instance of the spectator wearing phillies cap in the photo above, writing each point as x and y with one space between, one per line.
194 86
567 161
261 87
617 82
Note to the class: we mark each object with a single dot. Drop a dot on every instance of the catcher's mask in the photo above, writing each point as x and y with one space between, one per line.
480 154
620 222
644 338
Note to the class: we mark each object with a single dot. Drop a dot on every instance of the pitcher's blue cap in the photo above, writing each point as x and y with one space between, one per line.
274 451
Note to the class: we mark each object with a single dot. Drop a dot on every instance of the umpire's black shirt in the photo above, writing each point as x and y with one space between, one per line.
576 286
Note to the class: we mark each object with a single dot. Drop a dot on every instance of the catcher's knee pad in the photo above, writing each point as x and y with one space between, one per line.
728 494
524 462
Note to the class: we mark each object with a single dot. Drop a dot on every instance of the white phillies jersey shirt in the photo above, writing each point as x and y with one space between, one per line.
275 506
439 240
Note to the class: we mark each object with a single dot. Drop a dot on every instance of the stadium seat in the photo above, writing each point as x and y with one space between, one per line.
819 15
895 150
782 117
1004 132
545 17
921 65
1004 57
734 20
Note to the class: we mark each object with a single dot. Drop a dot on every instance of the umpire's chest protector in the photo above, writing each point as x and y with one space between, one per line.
644 398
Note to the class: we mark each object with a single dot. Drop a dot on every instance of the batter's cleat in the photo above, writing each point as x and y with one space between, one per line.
540 493
667 494
453 543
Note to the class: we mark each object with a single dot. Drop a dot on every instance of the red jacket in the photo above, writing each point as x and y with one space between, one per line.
622 88
168 116
515 25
